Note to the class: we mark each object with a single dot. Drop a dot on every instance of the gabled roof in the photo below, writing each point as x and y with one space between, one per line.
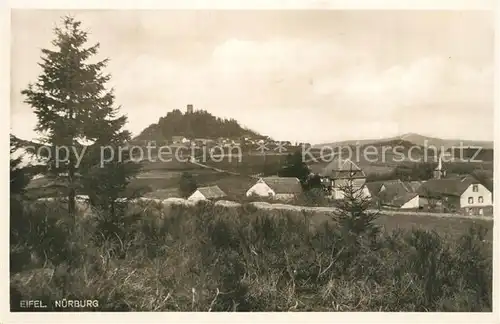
342 169
391 182
406 186
283 185
211 192
447 187
488 183
398 185
414 185
397 193
374 187
400 200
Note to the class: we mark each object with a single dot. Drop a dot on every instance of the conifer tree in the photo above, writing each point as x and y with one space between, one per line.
73 106
295 166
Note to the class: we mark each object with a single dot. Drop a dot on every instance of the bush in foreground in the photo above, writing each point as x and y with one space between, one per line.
211 258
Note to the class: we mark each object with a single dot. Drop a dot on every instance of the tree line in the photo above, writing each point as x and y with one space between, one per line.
198 124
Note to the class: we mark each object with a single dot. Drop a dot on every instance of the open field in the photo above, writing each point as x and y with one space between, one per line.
249 164
161 180
445 226
165 180
173 165
453 227
234 186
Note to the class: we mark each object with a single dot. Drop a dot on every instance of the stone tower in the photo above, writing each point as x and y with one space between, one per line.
189 109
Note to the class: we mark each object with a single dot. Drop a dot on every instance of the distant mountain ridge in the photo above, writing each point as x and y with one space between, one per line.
195 124
20 150
416 139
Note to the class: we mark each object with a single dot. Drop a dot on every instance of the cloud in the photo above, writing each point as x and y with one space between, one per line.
427 81
328 86
298 77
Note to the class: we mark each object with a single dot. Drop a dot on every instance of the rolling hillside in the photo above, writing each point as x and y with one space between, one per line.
415 139
198 124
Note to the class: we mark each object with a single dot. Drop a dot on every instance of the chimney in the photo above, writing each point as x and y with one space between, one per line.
189 109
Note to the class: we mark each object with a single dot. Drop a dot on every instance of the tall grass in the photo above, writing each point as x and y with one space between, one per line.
211 258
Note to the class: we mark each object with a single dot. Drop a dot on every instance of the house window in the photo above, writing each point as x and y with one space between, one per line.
475 188
471 200
480 199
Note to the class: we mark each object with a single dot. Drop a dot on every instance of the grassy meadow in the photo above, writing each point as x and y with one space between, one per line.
211 258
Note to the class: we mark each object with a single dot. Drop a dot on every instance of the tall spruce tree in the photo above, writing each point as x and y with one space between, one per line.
72 104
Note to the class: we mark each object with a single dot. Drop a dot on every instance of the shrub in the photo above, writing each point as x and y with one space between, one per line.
211 258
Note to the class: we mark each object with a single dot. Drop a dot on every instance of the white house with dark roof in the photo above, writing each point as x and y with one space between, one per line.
339 173
395 193
465 194
399 194
280 188
207 193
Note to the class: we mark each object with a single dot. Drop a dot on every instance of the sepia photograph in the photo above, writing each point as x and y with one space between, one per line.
251 160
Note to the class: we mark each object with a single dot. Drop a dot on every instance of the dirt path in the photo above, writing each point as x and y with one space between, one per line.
264 205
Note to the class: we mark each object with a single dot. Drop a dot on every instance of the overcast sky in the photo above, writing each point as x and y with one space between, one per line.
315 76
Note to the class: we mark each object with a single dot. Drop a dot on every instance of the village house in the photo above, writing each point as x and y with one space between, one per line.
465 195
377 187
404 200
395 194
200 141
280 188
179 140
444 193
338 174
488 183
235 142
207 193
414 185
210 142
222 140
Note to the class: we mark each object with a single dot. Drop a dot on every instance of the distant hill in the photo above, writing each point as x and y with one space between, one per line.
21 150
197 124
415 139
